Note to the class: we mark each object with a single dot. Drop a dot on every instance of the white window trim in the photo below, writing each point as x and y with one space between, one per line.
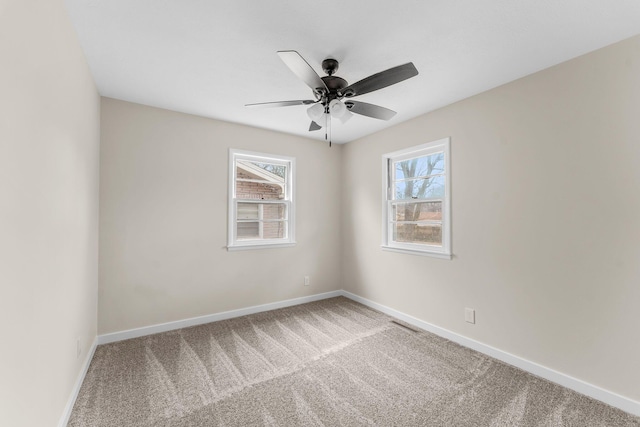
388 244
233 243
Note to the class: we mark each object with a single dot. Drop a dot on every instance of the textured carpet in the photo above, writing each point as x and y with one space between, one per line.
328 363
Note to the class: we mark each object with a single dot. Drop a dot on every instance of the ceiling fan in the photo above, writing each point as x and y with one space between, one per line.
330 90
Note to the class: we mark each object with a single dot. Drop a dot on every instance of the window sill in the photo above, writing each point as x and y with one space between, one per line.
439 255
267 246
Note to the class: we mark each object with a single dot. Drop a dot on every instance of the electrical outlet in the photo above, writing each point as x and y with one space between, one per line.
307 280
78 348
470 315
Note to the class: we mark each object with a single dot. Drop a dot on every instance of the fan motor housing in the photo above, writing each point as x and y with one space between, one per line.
334 84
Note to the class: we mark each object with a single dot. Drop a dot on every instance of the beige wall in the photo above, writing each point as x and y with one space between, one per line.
546 219
49 136
163 219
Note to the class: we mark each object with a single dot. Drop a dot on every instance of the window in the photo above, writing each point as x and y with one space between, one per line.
416 211
261 209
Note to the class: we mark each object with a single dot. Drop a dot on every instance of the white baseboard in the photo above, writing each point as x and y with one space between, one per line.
64 419
582 387
194 321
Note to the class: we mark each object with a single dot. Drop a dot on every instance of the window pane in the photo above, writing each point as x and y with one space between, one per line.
248 211
273 211
262 221
270 230
428 234
260 171
420 166
248 230
257 170
422 211
260 181
420 188
274 229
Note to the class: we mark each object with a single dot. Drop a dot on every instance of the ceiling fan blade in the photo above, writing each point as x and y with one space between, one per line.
302 69
314 126
370 110
381 80
281 103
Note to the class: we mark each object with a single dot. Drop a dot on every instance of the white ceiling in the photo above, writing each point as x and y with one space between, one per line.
210 57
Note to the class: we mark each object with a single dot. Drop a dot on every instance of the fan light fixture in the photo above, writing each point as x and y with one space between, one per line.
339 111
316 112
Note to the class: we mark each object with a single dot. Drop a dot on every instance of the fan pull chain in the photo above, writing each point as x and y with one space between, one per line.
325 128
329 127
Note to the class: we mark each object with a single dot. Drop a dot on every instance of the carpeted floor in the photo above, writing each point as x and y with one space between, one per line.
328 363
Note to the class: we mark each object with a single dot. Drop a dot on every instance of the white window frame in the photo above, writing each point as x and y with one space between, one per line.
289 200
444 251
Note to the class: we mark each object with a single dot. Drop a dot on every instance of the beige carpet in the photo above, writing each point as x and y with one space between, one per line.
329 363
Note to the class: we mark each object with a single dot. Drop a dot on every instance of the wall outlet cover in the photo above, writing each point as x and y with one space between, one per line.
470 315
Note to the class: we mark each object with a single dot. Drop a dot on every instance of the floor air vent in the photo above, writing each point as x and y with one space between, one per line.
404 326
